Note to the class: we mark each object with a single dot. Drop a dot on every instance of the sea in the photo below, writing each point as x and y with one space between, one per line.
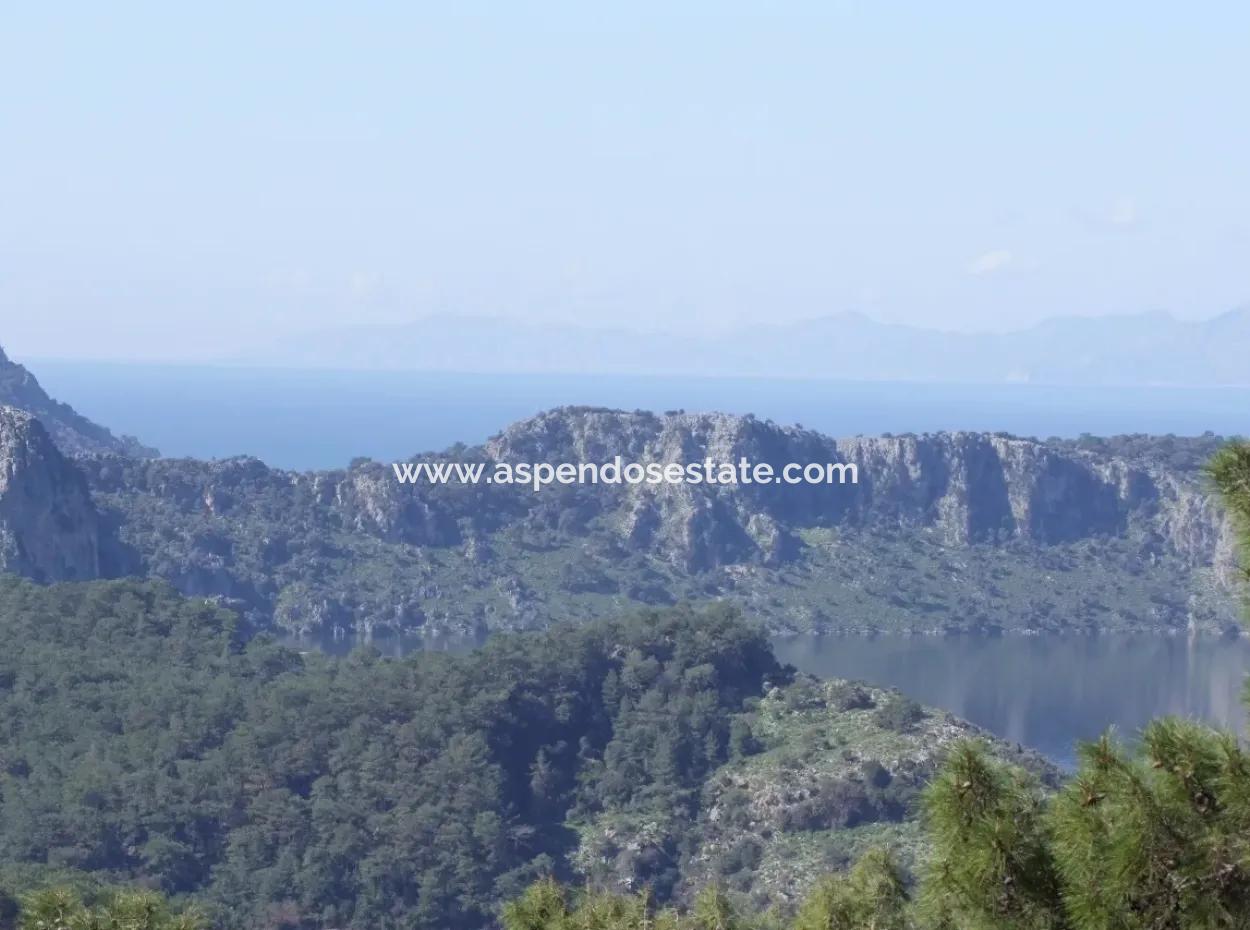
316 419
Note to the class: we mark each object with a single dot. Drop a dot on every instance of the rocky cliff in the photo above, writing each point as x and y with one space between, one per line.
969 487
49 529
73 433
941 532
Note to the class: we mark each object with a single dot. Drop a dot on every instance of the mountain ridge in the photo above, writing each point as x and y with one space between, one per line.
1150 348
73 433
945 532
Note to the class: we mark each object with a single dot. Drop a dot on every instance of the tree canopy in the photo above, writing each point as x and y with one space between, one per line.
142 740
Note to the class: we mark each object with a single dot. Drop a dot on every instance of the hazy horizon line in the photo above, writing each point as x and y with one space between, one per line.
248 361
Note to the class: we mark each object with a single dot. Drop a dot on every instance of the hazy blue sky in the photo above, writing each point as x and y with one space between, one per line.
174 181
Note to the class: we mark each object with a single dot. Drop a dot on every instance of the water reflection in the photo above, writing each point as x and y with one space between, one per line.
1045 692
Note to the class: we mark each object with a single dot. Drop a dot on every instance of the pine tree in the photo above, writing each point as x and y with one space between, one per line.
713 911
62 909
991 867
872 896
1158 841
541 907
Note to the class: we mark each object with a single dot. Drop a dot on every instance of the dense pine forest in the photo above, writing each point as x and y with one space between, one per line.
143 741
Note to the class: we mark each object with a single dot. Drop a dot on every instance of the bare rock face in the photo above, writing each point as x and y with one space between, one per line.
696 526
370 501
972 488
49 529
978 487
356 548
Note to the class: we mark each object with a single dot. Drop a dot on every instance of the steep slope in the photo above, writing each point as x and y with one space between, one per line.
942 532
74 434
969 487
49 530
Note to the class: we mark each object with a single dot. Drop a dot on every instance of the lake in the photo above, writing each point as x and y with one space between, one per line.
1046 692
308 419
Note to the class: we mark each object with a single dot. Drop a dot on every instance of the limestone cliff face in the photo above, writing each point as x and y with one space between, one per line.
970 487
356 549
983 488
697 526
49 529
370 501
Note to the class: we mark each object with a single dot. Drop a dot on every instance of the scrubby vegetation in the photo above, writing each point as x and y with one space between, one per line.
1180 453
1149 842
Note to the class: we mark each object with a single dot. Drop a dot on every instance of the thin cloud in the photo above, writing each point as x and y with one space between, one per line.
990 262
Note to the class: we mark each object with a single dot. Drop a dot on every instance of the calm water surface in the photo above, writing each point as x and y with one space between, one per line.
323 419
1044 692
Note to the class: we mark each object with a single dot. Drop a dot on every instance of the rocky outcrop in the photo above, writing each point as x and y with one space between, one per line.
969 487
977 487
49 529
357 549
73 433
832 767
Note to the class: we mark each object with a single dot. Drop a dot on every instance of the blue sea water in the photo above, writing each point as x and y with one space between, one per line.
309 419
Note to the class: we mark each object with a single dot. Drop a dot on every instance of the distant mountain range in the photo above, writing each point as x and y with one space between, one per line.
1148 348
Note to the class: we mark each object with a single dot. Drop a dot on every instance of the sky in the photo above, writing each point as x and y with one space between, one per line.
182 181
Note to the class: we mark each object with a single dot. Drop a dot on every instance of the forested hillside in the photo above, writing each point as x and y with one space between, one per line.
142 740
943 533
